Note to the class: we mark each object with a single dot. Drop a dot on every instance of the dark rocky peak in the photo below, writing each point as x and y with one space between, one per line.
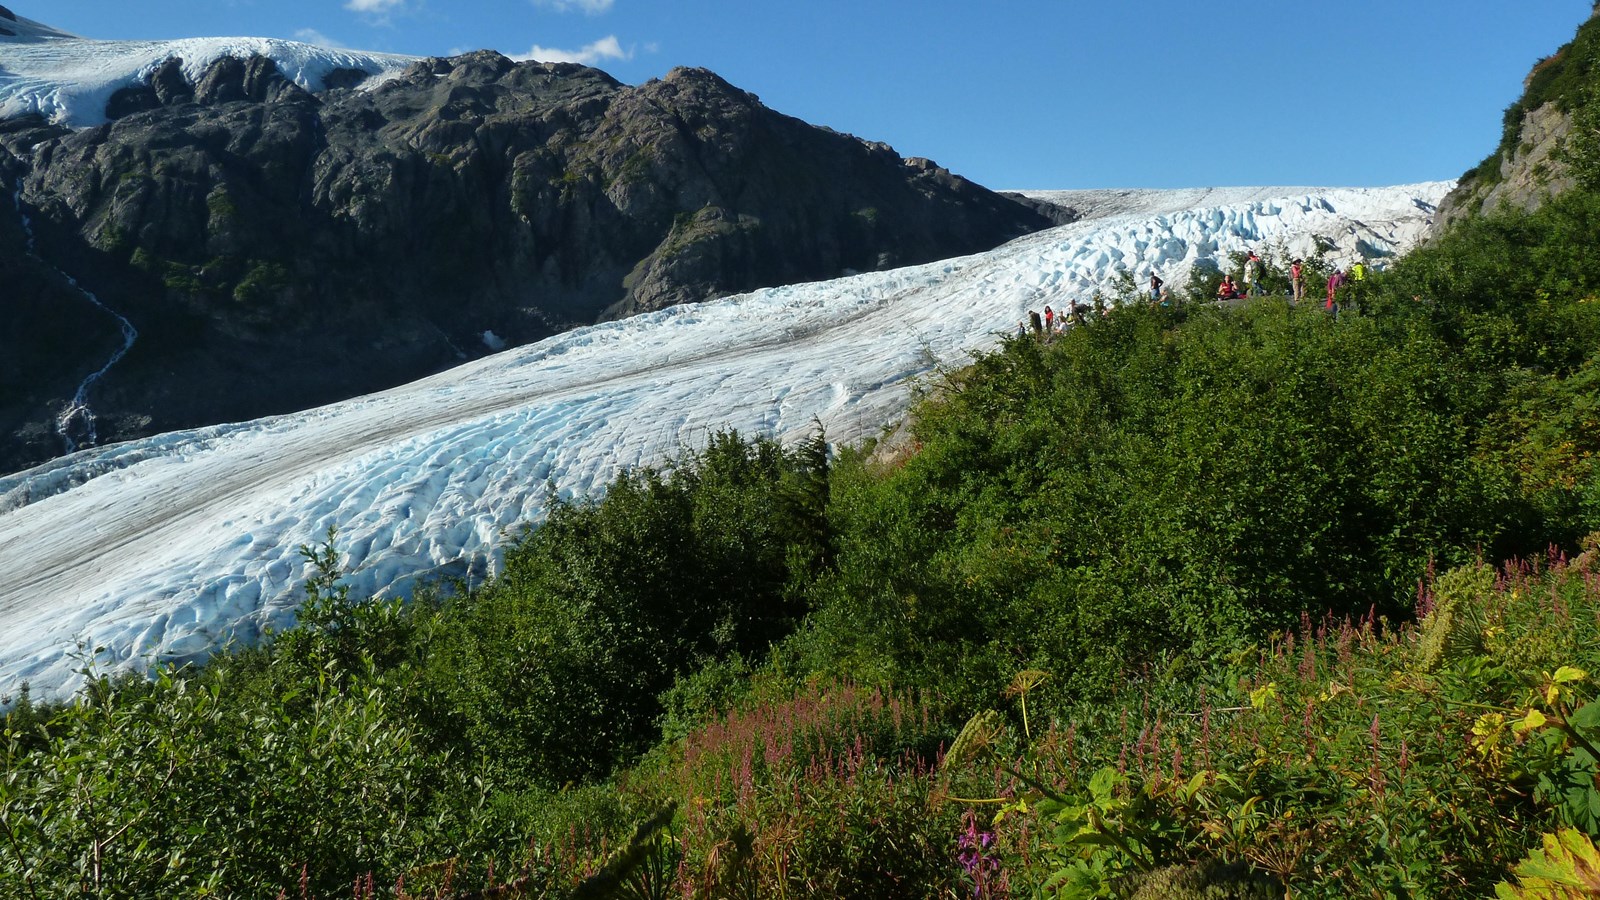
696 78
228 80
479 66
484 85
234 80
697 95
277 250
7 14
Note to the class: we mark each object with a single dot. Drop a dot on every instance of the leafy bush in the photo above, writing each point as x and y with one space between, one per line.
555 668
1336 761
828 792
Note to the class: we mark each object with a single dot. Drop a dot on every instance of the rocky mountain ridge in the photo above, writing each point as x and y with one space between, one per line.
278 249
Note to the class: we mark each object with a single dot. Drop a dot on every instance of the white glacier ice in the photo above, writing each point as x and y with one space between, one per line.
161 548
68 79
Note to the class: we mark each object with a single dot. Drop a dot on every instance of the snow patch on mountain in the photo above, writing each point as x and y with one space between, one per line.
69 79
163 548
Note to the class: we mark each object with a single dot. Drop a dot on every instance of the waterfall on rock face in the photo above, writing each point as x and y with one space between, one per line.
76 420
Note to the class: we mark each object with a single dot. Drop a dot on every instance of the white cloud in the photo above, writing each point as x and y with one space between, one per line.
606 48
374 7
587 7
313 36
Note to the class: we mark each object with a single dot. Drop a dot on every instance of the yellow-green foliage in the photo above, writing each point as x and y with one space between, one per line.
1345 759
1454 629
1566 867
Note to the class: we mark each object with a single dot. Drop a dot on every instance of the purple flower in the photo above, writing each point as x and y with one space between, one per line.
972 843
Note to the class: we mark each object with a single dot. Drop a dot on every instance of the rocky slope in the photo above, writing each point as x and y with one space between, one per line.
276 249
1531 163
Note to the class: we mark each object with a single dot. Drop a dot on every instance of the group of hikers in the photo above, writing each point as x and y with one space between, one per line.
1251 283
1252 277
1051 323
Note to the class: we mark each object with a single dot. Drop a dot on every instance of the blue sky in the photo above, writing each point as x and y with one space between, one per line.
1011 93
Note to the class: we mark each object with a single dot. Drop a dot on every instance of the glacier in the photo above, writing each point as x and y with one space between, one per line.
165 548
68 79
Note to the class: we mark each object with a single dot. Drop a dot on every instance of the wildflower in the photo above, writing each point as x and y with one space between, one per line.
972 852
1425 602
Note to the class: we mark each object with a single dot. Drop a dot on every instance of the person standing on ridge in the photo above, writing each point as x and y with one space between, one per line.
1155 287
1049 322
1335 281
1357 279
1252 275
1295 277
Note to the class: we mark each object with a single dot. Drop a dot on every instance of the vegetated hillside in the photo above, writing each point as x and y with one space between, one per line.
1540 143
276 249
1191 601
1177 548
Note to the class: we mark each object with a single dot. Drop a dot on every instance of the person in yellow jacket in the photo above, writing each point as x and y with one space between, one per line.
1358 282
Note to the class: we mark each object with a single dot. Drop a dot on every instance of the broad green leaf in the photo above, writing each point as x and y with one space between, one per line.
1586 716
1195 784
1534 719
1567 674
1103 783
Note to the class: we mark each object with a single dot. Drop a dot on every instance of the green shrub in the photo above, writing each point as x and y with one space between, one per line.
601 608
